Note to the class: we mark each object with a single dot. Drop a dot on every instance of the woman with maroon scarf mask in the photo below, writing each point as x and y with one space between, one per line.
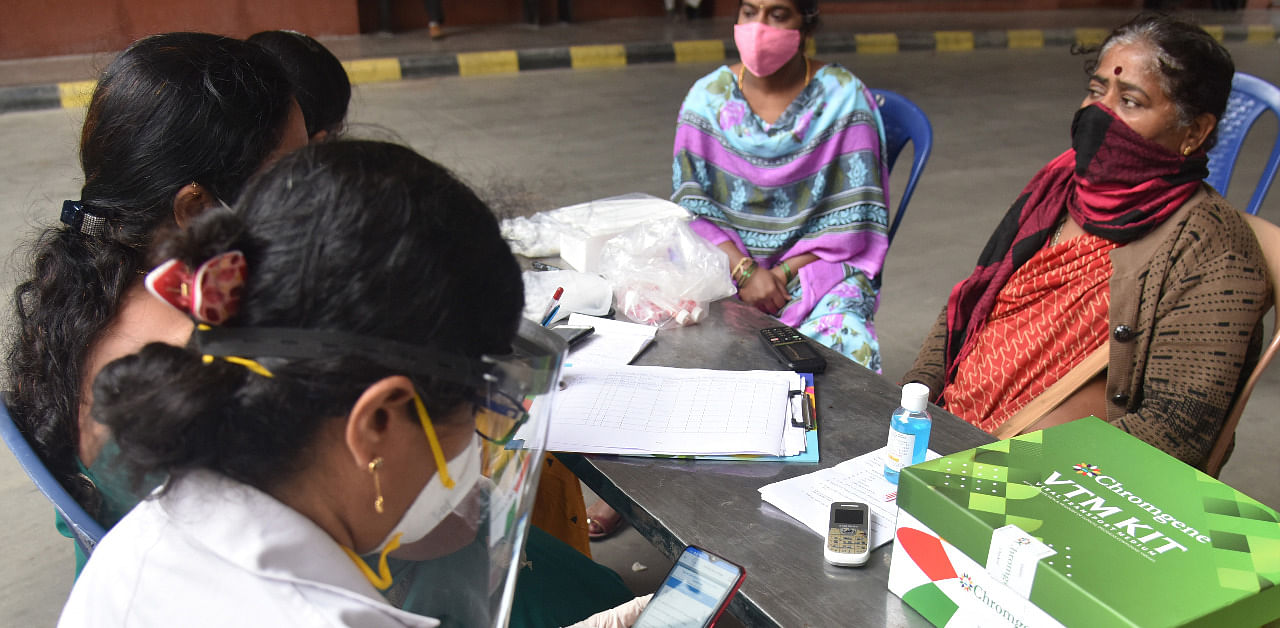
1116 248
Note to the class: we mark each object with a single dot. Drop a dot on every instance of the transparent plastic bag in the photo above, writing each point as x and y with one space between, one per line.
663 274
587 293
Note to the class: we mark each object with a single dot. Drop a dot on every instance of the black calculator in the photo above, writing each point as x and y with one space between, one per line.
793 350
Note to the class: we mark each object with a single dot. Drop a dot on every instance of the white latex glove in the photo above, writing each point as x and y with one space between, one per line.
621 616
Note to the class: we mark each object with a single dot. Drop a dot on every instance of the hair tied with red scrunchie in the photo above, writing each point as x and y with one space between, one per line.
210 295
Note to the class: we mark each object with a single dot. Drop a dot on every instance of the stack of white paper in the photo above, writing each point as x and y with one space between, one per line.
808 498
670 411
612 342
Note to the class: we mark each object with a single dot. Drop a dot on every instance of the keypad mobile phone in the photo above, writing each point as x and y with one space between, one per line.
848 540
792 349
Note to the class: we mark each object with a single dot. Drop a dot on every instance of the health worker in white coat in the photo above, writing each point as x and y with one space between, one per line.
357 373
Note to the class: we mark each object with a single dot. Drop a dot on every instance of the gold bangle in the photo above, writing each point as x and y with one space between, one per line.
742 272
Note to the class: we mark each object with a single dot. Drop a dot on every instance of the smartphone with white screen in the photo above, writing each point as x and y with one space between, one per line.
696 591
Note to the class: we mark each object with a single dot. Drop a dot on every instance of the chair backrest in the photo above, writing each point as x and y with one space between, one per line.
87 530
903 122
1250 97
1268 236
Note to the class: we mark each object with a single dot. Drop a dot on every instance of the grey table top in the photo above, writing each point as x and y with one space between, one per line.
716 505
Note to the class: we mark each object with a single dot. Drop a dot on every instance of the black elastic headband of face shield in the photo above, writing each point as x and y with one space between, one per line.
537 350
311 344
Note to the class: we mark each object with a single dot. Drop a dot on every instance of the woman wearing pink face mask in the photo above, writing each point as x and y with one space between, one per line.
779 159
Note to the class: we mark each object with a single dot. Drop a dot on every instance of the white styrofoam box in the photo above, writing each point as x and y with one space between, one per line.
594 223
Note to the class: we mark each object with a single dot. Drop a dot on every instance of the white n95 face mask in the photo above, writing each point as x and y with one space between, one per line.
464 531
436 502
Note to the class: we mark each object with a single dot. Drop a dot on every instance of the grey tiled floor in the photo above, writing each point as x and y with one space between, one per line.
539 140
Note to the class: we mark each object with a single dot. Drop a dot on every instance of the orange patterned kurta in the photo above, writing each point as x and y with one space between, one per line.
1047 318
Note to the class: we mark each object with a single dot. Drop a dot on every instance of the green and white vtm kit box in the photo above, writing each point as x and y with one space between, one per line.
1081 525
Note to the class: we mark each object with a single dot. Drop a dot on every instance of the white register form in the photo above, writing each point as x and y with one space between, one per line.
808 497
672 411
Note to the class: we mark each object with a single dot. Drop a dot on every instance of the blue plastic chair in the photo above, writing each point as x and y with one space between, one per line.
904 122
87 530
1250 97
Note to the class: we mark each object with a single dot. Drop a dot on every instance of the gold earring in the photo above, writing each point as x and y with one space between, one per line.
1186 150
374 465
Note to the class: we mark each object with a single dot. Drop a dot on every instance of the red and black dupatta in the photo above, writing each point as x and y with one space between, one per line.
1117 184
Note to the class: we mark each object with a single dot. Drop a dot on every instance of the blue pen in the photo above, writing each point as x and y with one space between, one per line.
551 305
550 317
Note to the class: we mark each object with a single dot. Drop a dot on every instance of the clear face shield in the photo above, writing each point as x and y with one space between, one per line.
476 508
464 571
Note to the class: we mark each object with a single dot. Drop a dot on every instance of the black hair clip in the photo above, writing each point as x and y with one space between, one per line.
77 216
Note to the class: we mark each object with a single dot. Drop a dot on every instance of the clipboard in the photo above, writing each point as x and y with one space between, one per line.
810 453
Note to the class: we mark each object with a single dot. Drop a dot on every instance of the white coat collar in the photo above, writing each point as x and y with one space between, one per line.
261 535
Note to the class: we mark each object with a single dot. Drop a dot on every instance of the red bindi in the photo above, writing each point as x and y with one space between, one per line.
1119 70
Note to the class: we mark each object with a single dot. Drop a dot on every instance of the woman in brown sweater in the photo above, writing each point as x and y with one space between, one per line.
1116 246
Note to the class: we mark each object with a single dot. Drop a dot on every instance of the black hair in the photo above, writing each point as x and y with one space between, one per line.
357 237
320 82
808 10
170 110
1195 70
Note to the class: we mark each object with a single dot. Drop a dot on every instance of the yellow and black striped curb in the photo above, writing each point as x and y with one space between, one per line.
77 93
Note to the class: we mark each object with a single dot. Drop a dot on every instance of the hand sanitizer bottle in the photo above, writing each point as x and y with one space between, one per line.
908 431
